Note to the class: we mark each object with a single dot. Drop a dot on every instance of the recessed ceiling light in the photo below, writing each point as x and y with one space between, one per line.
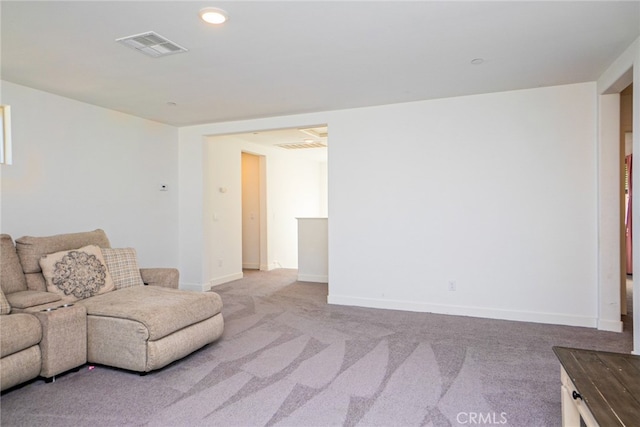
477 61
213 15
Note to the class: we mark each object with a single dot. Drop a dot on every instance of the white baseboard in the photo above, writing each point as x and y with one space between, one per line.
313 278
224 279
213 282
271 266
251 266
610 325
196 287
489 313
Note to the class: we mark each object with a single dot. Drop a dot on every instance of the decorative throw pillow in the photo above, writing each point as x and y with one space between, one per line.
5 307
77 274
123 266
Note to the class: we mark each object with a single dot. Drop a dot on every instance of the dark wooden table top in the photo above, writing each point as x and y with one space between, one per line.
609 383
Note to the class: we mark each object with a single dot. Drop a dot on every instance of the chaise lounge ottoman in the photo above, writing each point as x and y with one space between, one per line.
143 328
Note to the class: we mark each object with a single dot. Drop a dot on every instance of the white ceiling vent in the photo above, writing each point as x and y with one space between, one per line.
152 44
301 145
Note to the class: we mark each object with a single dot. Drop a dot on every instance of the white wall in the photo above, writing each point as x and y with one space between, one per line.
78 167
496 192
293 189
609 217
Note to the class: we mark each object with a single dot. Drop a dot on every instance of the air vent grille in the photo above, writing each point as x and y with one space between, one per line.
302 145
152 44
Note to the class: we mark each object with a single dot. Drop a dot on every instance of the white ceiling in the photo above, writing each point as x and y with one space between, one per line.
277 58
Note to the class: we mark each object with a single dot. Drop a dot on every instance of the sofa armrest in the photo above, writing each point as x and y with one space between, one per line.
64 339
33 300
164 277
17 332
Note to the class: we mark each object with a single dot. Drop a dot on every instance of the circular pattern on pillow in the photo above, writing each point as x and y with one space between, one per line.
79 274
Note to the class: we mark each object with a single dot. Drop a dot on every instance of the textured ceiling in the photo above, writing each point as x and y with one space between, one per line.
277 58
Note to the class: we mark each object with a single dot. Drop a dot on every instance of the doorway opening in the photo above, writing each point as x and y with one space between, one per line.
253 232
284 178
612 265
260 183
626 150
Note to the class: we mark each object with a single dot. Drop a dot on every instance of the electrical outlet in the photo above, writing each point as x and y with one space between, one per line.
452 285
219 263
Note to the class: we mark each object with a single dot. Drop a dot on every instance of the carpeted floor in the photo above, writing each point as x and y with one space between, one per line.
289 359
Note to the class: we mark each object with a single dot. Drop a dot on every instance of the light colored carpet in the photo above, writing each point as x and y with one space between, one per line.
289 359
